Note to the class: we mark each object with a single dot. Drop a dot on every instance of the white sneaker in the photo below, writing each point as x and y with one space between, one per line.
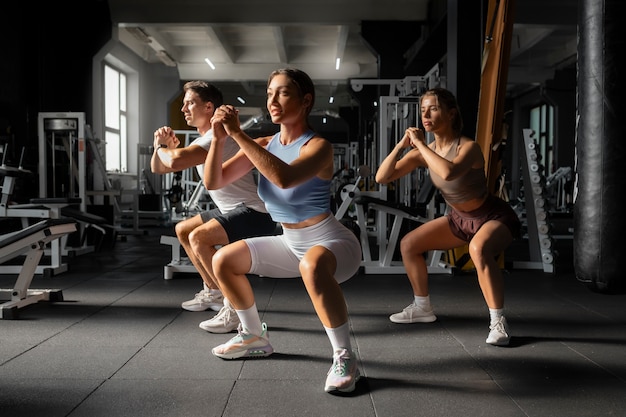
499 333
344 374
203 301
245 345
225 321
414 314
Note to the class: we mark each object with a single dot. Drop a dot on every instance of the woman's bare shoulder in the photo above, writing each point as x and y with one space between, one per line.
263 140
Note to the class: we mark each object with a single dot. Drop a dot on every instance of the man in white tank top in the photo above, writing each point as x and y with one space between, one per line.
240 213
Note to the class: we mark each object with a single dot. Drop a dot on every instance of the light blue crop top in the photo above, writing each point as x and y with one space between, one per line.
295 204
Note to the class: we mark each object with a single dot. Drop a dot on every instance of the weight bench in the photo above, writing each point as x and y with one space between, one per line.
30 242
91 222
400 212
41 208
178 263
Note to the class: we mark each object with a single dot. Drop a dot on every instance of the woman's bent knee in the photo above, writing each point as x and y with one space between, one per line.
409 248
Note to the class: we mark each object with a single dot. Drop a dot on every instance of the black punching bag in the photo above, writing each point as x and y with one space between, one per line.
599 215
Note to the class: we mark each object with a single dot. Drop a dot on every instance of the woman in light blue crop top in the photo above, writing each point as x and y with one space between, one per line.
484 222
296 167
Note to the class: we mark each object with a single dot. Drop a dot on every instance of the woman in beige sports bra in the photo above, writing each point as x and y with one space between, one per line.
476 217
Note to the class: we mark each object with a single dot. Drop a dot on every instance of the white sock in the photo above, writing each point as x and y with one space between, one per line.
215 291
339 337
423 302
495 314
205 287
250 320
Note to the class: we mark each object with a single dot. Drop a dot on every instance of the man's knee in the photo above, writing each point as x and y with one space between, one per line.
193 239
182 231
206 236
185 227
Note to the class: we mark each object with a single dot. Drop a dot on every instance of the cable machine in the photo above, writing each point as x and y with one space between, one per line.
62 170
410 198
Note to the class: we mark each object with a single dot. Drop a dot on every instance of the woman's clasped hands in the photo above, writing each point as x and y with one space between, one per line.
227 116
412 136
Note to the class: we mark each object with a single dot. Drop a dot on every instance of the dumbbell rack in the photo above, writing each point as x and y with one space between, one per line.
540 241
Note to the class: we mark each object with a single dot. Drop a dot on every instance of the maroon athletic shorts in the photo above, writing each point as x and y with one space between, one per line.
464 225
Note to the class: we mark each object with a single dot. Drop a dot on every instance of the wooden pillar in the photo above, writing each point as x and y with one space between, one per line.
495 67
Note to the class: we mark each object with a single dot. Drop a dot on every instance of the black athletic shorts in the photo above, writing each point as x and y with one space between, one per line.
242 222
464 225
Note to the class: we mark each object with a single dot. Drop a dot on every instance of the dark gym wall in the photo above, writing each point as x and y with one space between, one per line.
464 52
46 65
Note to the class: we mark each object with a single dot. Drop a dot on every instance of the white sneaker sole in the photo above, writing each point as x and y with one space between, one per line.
202 307
428 319
254 352
218 329
195 307
500 342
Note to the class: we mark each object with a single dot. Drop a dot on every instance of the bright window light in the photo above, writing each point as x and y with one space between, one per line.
209 63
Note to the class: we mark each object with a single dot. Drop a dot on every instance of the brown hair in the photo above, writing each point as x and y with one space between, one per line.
301 80
446 99
207 92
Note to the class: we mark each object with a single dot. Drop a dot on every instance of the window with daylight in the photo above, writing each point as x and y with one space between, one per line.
115 119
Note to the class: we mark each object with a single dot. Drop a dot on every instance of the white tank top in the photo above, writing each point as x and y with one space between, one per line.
244 190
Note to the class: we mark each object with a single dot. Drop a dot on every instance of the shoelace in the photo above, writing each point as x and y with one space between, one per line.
240 335
499 327
412 307
202 294
340 365
226 317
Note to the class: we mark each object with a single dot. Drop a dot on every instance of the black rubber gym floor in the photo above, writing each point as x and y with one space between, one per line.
120 345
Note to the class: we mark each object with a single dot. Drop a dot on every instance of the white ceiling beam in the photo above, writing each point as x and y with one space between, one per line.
342 39
281 48
260 72
222 43
159 43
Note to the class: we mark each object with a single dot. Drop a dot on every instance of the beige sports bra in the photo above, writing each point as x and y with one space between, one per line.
467 187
